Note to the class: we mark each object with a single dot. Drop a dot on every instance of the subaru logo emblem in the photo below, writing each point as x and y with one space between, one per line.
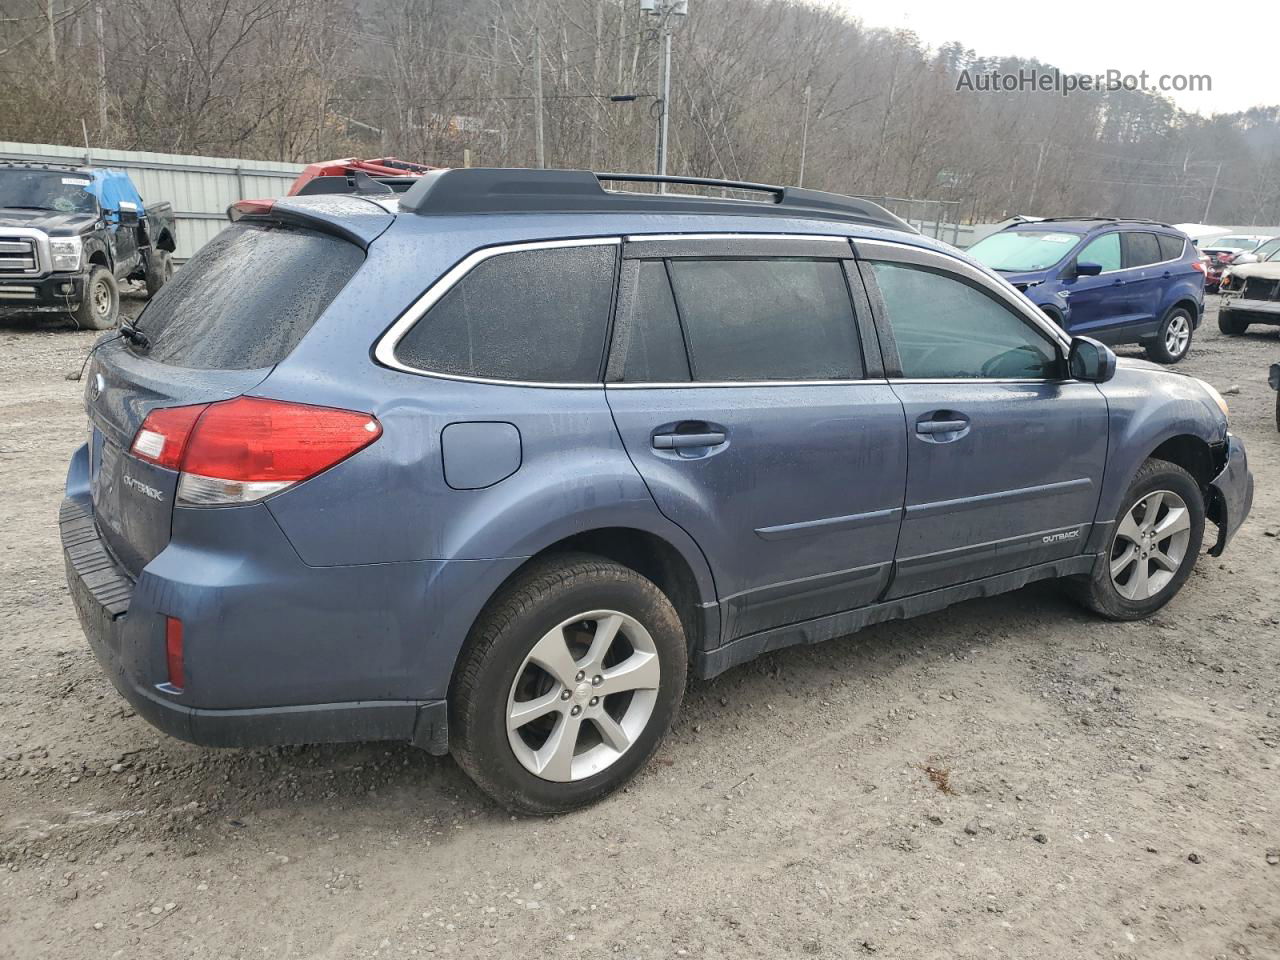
98 384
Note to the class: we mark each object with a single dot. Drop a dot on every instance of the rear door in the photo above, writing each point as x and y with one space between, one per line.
1142 259
1005 456
752 403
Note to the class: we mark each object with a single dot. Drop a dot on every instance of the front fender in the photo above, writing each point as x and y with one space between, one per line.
1148 406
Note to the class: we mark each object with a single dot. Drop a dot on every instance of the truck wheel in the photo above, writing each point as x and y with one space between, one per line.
100 307
1156 541
1230 324
567 684
1174 339
159 270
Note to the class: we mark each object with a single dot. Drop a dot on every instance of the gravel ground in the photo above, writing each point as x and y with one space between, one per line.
1009 778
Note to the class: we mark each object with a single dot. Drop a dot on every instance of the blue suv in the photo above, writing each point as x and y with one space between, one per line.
1118 281
491 465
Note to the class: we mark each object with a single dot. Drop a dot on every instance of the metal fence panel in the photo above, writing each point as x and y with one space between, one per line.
200 188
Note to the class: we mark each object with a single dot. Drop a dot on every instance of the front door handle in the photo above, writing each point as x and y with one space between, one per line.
940 426
1118 283
683 441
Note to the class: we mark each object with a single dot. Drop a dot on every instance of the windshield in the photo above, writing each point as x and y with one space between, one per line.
1014 251
61 190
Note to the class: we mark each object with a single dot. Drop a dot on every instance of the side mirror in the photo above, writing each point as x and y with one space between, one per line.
1086 269
1090 361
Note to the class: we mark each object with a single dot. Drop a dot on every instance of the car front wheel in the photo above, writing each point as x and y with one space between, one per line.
567 685
100 308
1154 545
1230 324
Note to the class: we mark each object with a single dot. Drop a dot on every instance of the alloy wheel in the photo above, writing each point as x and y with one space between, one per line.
1177 335
583 695
1150 545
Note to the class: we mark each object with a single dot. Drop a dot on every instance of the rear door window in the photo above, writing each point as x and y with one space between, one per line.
1141 249
530 315
647 333
767 319
247 297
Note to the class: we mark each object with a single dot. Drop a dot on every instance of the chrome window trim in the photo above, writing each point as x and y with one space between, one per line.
39 248
670 237
701 384
1003 289
384 351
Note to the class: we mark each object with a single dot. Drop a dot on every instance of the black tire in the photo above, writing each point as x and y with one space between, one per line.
100 307
1230 324
1098 592
1159 349
159 270
546 594
1278 409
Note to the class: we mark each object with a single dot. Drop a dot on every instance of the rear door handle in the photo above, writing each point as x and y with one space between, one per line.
1118 283
683 441
940 426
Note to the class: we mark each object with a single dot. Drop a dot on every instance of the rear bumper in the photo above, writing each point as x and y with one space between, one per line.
1230 494
56 293
232 668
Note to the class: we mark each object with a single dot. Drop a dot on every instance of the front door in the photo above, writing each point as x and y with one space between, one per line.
1004 455
738 384
1103 301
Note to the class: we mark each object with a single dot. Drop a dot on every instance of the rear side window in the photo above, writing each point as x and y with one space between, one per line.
783 319
247 297
1143 249
535 315
1170 247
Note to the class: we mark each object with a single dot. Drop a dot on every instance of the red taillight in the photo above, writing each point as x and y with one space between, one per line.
249 208
163 435
173 652
1198 265
242 450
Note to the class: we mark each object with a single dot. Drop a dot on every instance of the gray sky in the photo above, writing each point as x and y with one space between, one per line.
1234 43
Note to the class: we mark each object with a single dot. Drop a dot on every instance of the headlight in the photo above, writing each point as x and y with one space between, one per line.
65 253
1217 397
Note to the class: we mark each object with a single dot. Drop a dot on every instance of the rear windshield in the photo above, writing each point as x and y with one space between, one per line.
247 297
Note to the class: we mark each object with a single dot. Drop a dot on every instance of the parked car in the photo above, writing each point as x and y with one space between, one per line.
69 235
1251 294
515 452
350 174
1261 252
1118 281
1222 251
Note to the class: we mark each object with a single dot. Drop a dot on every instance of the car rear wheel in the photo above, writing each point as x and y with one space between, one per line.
567 684
1174 339
1230 324
1154 545
100 307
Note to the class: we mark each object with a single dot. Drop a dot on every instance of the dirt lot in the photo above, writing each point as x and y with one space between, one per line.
1009 778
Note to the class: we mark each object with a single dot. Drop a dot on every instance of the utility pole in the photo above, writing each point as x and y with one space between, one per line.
1035 180
102 74
53 35
537 96
664 10
804 135
1212 190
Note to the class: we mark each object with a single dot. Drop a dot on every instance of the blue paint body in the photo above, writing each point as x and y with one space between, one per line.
1124 305
337 608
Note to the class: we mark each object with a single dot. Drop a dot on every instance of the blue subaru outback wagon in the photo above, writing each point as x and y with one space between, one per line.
491 465
1117 281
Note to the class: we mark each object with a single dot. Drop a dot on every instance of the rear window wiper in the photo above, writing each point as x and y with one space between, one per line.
134 335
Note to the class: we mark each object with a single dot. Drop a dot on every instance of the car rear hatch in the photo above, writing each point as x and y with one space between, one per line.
214 332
